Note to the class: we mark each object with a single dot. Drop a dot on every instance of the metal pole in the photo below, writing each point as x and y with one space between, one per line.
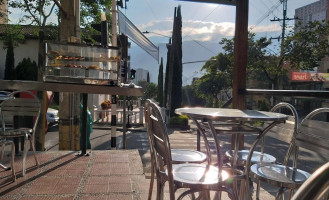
113 103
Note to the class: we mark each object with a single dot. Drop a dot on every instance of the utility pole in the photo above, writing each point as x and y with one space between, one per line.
284 19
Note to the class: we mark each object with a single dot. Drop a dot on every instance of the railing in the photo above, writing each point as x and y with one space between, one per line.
104 117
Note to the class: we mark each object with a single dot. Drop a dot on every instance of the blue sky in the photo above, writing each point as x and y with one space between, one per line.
204 25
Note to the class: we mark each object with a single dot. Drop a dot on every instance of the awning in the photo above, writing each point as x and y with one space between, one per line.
129 29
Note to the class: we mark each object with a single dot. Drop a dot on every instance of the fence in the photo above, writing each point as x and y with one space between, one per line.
135 117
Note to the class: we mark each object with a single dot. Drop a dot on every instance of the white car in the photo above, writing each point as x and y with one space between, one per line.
52 116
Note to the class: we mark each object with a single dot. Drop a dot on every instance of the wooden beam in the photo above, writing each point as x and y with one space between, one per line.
240 53
240 61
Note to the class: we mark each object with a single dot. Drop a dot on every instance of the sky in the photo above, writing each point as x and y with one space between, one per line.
203 26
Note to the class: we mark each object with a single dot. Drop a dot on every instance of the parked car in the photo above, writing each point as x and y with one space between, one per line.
3 95
52 116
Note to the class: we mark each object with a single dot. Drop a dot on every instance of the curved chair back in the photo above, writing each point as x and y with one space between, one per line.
287 131
313 133
316 186
159 144
14 106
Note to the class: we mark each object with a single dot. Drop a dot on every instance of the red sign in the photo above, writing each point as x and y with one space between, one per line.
310 76
300 76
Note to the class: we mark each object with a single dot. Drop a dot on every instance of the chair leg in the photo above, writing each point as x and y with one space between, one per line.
12 161
151 182
24 157
280 194
2 151
34 152
257 189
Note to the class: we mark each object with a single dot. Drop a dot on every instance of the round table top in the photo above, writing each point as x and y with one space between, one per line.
230 114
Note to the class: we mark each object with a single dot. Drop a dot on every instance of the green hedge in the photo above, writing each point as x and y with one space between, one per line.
179 120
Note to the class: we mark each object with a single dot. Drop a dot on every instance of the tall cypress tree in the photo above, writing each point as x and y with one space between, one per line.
10 60
167 74
160 84
176 62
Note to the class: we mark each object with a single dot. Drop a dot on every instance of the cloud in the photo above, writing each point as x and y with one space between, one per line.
275 27
202 30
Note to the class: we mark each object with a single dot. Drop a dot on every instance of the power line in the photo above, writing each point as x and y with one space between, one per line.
266 14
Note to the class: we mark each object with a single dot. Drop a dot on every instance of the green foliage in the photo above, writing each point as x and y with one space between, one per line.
179 120
10 61
160 84
190 98
307 46
150 89
37 11
26 70
263 106
176 63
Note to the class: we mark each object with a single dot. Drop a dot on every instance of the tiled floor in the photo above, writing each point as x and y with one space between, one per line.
111 175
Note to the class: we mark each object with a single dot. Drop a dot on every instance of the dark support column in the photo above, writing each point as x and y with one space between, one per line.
240 58
84 125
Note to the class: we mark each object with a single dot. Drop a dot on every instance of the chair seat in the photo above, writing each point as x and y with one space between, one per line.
197 176
279 175
257 157
187 156
16 132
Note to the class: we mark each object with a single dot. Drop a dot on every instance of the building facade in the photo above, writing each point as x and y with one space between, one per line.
316 11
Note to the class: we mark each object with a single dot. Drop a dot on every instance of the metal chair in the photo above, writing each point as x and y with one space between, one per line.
197 178
312 134
21 107
178 155
3 143
283 132
316 186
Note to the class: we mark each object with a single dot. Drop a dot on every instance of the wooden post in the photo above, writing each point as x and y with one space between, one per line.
240 58
69 110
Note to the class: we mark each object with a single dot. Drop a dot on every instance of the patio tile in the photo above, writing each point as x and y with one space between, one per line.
65 189
115 187
74 172
97 180
41 189
119 197
102 188
94 197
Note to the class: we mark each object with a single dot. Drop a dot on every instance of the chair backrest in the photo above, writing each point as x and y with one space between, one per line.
316 186
285 131
313 132
159 143
15 106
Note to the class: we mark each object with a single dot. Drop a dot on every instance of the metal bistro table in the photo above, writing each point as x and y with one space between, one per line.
84 89
230 121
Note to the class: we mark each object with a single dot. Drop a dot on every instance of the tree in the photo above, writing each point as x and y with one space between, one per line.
175 86
190 98
307 46
11 38
37 12
26 70
10 61
160 84
150 89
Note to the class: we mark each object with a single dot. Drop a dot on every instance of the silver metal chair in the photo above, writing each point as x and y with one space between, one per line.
197 178
3 143
283 132
312 134
316 186
22 107
178 155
